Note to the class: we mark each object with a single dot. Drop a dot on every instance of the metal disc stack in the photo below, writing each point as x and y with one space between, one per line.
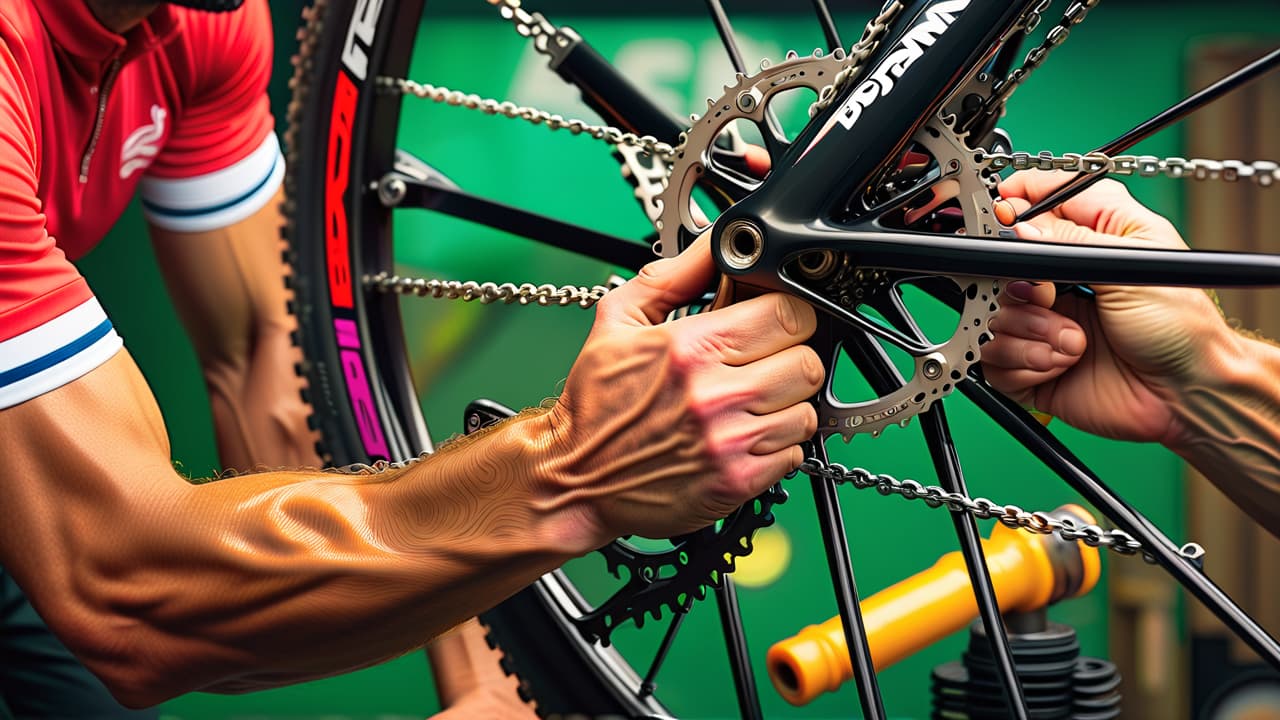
1057 682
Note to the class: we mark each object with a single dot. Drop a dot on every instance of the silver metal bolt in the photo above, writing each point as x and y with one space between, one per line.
741 244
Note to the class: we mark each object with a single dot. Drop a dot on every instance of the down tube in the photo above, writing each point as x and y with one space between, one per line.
930 50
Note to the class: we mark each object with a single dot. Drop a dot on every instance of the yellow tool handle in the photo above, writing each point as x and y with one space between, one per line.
1027 573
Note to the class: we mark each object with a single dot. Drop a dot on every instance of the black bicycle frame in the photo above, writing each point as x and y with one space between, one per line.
814 198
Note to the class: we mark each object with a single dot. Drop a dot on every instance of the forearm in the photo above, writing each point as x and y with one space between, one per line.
259 418
1229 425
163 587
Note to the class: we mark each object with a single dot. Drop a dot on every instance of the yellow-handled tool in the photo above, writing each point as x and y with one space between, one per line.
1028 572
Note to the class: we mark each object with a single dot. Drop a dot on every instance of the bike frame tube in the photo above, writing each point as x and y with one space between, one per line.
912 72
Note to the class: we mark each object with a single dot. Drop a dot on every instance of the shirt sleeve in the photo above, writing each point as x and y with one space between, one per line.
222 162
52 329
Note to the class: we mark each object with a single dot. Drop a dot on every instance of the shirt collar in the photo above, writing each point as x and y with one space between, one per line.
74 28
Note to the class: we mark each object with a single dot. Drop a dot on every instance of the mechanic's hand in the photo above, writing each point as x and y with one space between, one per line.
1113 366
664 428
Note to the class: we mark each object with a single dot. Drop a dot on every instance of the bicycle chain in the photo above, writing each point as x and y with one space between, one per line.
489 106
1261 172
1037 523
489 292
544 35
1073 16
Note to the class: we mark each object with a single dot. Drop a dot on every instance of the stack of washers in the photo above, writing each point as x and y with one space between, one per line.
1056 681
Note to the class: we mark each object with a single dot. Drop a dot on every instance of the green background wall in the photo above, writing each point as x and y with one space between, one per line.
1122 64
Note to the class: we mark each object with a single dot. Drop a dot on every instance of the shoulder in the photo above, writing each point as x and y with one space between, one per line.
216 47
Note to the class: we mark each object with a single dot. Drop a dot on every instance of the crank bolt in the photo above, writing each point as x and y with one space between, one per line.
391 191
931 368
749 100
473 422
741 244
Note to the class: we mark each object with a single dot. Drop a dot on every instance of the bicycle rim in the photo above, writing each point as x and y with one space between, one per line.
342 138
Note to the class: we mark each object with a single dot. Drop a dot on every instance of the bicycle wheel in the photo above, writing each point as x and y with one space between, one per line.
346 177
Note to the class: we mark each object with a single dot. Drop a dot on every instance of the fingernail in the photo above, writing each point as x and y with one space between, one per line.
1027 231
1071 341
1019 290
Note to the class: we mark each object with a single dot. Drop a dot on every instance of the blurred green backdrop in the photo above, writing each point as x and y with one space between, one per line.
1120 66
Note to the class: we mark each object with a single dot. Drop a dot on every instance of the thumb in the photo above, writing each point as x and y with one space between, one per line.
666 284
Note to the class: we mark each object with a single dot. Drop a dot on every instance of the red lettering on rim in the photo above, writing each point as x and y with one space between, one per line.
337 175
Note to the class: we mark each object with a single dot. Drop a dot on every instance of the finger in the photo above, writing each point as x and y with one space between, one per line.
755 473
766 434
1106 207
1020 384
1015 353
765 386
1058 333
745 331
757 160
662 286
1022 292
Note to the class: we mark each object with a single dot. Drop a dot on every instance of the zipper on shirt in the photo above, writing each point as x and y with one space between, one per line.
104 89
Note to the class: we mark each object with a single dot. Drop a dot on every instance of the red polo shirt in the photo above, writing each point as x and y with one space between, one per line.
176 109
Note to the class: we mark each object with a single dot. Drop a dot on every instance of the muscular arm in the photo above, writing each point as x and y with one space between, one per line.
228 287
163 587
1145 364
1228 419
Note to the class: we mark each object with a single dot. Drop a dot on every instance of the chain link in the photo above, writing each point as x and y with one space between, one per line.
857 55
1262 172
1073 16
1037 523
489 292
506 108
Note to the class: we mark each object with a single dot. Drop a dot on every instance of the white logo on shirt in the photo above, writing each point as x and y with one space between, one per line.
141 146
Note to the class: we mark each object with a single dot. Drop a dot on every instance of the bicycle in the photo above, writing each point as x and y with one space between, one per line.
349 92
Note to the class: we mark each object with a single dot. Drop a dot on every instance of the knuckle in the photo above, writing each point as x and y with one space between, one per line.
784 311
808 421
811 368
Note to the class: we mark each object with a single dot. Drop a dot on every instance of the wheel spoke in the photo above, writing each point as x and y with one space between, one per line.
829 31
1174 113
647 685
1050 451
938 436
841 567
735 638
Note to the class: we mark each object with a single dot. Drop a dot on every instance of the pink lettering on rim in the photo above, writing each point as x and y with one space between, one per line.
375 442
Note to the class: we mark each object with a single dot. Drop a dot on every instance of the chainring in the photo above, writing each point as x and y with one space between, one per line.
935 372
675 577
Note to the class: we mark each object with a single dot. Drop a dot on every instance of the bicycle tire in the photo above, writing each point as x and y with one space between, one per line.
360 410
365 406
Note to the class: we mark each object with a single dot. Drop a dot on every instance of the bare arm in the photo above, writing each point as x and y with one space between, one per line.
163 587
1140 363
228 287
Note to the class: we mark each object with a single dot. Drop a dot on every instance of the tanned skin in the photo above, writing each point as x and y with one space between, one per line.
1140 363
259 420
228 288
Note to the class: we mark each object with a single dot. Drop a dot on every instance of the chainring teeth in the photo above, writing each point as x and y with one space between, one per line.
748 98
696 565
953 359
